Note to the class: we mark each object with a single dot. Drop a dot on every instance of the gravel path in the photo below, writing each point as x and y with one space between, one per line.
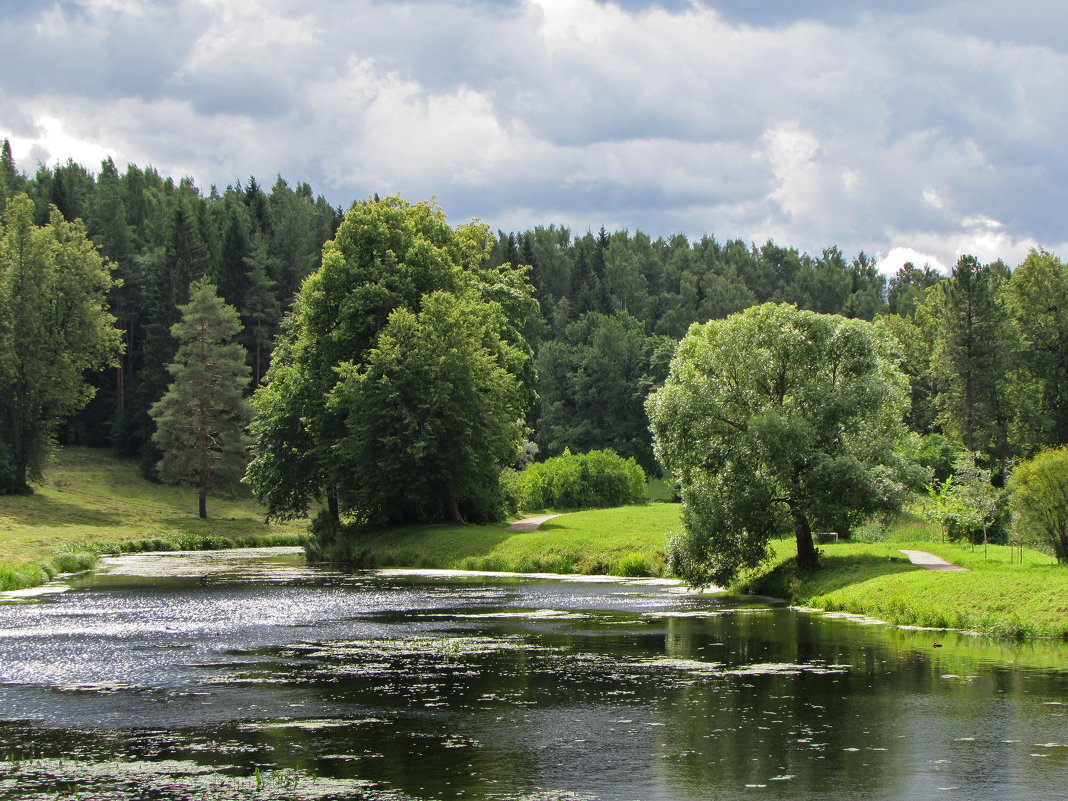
931 561
530 523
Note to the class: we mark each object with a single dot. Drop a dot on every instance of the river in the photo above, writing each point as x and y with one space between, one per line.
248 674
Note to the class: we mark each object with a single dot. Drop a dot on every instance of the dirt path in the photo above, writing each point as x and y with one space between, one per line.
530 523
931 561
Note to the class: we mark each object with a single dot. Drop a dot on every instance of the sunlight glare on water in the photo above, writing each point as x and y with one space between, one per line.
252 674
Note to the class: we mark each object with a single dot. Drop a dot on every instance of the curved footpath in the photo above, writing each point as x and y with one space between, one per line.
530 523
931 561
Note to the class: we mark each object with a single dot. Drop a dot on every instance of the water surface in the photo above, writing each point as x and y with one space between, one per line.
238 674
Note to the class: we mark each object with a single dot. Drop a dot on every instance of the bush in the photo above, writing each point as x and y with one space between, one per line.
511 491
634 564
1040 502
580 481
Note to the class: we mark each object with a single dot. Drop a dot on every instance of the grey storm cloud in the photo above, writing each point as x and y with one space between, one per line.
923 130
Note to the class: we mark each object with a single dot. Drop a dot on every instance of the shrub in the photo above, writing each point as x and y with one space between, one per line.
1040 501
585 480
511 491
634 564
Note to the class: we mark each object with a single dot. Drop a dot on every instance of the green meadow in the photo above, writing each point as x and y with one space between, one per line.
91 502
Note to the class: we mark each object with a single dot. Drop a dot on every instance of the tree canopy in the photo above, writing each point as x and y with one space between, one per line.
404 350
777 418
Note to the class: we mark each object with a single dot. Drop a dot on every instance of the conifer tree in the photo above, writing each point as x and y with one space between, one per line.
261 310
201 419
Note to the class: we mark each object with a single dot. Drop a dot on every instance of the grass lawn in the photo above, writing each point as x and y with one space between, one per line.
91 502
627 540
997 596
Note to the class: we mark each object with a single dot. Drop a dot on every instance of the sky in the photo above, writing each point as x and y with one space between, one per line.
914 130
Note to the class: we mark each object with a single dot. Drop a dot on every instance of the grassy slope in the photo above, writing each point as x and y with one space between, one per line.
91 502
627 540
995 597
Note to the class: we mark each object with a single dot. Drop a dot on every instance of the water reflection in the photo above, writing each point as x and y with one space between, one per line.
218 675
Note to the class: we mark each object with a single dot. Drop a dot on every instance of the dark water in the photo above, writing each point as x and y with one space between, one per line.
221 676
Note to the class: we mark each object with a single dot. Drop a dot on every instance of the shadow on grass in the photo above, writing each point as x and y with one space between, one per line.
41 510
834 573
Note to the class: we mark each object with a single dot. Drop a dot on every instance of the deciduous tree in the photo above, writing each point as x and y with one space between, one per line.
54 326
389 257
1039 498
772 419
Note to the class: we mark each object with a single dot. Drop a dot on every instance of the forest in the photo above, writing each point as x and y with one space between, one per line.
985 348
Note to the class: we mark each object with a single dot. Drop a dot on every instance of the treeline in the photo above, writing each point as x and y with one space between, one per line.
255 245
614 305
986 348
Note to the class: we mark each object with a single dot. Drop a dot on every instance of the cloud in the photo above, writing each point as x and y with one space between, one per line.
907 130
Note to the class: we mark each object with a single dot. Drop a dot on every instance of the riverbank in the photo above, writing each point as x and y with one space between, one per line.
996 595
92 502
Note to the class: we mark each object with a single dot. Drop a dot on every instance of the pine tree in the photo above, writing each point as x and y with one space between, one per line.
261 310
973 356
201 419
11 181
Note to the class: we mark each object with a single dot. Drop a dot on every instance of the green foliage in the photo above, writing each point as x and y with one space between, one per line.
937 453
396 388
1038 298
511 490
430 414
200 420
593 383
633 564
974 353
965 504
54 326
1039 498
773 418
579 481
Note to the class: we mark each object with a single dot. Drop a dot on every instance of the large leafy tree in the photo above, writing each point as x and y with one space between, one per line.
1038 299
431 414
201 419
772 419
387 255
54 326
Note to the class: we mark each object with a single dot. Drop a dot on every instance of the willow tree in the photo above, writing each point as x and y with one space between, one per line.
777 419
201 418
54 326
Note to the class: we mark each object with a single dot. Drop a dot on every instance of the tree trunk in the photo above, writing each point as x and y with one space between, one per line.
807 558
454 511
332 505
18 452
203 500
